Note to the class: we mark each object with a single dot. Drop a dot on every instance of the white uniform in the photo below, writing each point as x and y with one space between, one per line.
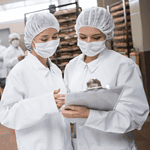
11 56
29 106
109 130
3 69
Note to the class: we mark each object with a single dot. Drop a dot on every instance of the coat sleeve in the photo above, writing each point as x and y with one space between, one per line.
131 111
19 112
10 61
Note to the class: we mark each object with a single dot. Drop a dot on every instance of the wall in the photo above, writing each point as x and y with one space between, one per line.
145 20
18 27
109 2
4 33
15 26
136 25
62 2
101 3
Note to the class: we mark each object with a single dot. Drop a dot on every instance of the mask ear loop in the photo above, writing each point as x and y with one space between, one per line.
34 45
77 32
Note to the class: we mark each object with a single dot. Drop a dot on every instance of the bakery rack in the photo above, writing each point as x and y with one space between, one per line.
68 48
122 41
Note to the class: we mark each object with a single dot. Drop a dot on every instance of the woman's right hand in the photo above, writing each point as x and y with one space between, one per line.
20 57
58 98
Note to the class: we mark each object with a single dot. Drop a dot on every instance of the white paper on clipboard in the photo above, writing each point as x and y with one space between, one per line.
101 99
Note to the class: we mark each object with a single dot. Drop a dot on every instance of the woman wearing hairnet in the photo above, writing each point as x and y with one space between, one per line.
104 130
32 100
13 53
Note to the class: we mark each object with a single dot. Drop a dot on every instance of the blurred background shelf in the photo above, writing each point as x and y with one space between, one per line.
120 12
67 48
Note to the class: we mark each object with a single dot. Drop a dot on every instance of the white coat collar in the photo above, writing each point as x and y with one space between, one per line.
38 65
93 64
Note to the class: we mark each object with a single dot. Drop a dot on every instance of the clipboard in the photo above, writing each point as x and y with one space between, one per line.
98 99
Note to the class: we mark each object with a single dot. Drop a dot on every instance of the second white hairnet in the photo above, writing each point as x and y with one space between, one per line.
13 36
96 17
37 23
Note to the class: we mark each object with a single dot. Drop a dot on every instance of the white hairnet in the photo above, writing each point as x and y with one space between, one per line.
13 35
37 23
96 17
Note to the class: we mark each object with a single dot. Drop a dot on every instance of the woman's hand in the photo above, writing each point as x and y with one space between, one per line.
75 112
20 57
59 102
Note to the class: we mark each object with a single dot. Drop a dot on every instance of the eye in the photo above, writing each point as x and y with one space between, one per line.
96 37
54 37
44 40
83 37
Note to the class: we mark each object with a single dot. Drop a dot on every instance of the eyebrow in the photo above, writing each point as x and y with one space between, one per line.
96 34
55 33
47 35
44 35
92 35
82 34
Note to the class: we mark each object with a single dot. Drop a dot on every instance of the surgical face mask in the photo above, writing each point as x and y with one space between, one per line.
46 49
91 49
15 43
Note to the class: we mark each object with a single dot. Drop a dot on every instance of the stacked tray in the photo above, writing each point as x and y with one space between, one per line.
67 48
122 42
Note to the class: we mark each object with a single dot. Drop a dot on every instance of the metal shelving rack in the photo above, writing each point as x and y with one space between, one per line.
122 41
68 48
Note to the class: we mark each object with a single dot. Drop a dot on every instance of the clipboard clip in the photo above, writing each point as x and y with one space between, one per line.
94 88
95 84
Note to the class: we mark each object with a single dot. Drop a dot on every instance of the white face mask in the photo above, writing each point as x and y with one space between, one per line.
91 49
46 49
15 43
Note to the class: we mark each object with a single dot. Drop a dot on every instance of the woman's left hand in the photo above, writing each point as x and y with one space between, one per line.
75 112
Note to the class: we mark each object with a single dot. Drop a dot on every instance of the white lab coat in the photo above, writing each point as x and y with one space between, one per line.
29 106
3 69
109 130
11 57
